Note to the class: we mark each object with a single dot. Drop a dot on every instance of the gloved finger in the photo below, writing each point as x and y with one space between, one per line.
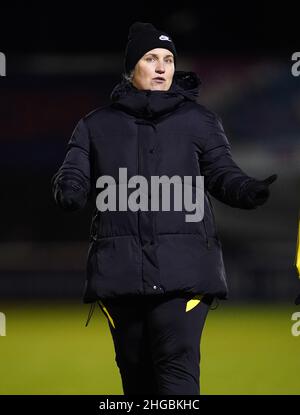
270 179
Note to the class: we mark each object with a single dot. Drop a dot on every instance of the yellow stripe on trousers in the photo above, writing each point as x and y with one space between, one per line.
193 302
107 313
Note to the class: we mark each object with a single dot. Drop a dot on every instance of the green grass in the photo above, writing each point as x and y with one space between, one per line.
48 350
250 350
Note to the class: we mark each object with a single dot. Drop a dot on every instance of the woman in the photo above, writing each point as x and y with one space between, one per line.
153 273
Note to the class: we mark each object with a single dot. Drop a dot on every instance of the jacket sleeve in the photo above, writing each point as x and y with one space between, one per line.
71 184
223 178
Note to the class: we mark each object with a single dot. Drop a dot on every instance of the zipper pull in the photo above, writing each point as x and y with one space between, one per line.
91 311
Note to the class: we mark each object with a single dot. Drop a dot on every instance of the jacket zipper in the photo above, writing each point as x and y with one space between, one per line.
138 212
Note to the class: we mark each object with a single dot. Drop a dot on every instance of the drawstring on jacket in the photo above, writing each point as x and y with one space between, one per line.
103 309
91 311
217 303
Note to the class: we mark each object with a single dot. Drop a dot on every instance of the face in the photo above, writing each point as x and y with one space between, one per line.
154 71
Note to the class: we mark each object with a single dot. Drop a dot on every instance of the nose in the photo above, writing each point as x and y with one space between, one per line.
160 67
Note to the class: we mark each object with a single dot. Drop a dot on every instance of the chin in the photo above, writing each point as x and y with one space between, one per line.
159 88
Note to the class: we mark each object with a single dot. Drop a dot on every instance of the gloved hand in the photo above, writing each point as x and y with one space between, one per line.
70 198
256 192
66 200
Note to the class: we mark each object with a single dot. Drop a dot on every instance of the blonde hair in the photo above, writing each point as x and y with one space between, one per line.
129 76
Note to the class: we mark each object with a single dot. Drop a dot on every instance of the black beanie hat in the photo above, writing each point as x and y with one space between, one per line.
142 38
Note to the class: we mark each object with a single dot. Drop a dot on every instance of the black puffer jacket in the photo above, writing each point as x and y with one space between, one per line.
151 133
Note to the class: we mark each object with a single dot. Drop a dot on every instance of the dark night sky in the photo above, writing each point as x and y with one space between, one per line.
243 27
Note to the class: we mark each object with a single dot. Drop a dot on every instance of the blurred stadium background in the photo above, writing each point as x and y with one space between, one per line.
60 66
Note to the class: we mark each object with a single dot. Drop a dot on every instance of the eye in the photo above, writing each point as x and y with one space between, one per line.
149 59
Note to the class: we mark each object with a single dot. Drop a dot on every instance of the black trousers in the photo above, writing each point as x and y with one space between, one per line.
157 342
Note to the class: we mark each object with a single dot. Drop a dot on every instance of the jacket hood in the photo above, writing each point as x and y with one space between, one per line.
151 104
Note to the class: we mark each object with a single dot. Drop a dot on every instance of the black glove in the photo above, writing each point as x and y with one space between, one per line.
70 197
66 201
256 192
297 301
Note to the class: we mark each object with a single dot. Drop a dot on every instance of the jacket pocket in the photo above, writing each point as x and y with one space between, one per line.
206 234
213 217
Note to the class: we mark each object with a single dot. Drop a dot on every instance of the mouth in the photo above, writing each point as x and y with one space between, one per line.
159 79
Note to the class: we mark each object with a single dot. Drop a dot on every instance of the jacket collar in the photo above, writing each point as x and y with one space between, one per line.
151 104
